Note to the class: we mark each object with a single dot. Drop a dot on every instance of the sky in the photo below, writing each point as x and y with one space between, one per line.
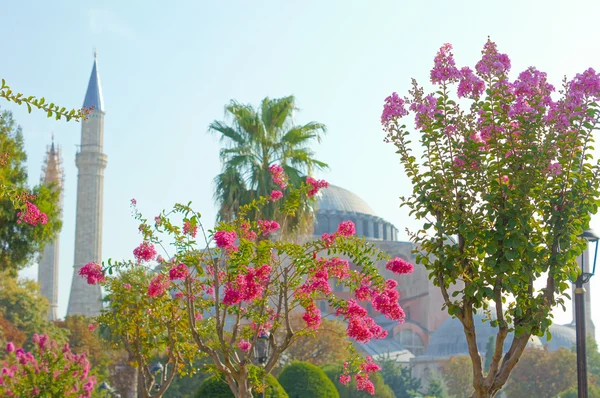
168 72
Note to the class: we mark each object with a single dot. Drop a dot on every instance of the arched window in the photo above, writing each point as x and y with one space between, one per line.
411 341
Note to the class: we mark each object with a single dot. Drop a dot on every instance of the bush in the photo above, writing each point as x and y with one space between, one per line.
216 387
593 392
305 380
334 371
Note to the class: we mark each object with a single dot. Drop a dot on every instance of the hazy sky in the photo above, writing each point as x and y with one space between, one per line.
167 72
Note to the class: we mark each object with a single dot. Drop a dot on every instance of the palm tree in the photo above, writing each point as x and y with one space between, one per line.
256 139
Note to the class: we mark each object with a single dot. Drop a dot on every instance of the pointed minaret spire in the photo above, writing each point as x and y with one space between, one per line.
93 96
91 161
48 265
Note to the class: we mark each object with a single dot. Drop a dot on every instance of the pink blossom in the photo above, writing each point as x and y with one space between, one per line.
247 287
338 267
92 327
458 162
315 186
244 345
369 366
32 215
10 347
179 295
555 168
425 111
492 62
180 272
225 239
444 69
145 252
158 285
399 266
364 384
127 286
312 316
470 85
386 302
328 239
504 179
276 195
267 226
278 175
133 202
190 229
93 273
345 379
346 228
246 232
393 108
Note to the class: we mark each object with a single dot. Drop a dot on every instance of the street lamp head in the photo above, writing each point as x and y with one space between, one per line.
591 236
261 348
157 368
104 386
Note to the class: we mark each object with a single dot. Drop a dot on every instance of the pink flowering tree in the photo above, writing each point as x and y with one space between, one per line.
49 370
241 282
505 183
148 324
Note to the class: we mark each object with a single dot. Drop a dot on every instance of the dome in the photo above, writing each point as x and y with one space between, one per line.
563 336
335 198
449 339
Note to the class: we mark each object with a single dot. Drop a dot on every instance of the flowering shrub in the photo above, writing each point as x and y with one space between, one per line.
48 371
504 189
249 285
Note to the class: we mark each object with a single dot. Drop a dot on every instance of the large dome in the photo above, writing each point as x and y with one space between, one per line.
337 204
335 198
449 339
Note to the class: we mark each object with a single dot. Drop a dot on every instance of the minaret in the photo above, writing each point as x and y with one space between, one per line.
48 265
91 161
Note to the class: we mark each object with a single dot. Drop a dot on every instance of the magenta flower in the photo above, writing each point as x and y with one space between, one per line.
145 252
444 69
158 285
393 108
93 272
244 345
32 215
225 239
345 379
267 226
276 195
127 286
555 168
190 229
399 266
278 175
470 85
346 228
492 62
180 272
315 186
10 347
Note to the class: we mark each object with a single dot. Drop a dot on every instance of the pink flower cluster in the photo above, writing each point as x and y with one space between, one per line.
315 186
363 383
399 266
444 69
312 316
190 229
244 345
346 229
246 232
393 108
386 301
555 168
93 272
64 373
225 239
158 285
276 195
425 110
32 215
248 286
492 62
278 175
361 327
145 252
470 85
179 272
267 226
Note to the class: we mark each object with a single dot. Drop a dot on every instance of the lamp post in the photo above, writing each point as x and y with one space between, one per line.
157 370
584 277
261 353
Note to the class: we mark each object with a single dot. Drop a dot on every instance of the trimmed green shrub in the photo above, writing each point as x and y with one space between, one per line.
305 380
349 390
216 387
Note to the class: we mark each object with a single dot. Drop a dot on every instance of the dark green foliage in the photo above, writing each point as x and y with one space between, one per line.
435 389
593 392
399 378
305 380
349 391
217 387
20 243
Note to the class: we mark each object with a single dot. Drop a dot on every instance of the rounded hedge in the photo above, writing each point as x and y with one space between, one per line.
216 387
305 380
349 390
